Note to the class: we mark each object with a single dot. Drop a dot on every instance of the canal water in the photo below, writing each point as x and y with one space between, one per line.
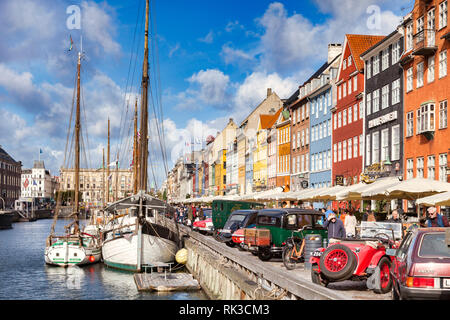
25 276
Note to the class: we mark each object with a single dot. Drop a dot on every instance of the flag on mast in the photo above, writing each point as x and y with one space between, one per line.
71 43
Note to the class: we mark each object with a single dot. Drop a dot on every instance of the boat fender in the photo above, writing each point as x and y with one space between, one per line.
181 256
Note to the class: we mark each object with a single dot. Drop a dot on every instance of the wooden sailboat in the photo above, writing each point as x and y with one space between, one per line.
135 238
75 248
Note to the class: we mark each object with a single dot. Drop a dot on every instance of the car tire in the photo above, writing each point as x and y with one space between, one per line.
264 254
385 276
338 263
230 244
315 278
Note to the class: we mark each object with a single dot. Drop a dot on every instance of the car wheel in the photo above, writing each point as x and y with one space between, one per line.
317 279
338 263
231 244
385 276
264 254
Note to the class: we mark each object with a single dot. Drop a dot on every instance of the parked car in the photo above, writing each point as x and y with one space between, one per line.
357 260
421 265
275 226
237 220
221 210
204 226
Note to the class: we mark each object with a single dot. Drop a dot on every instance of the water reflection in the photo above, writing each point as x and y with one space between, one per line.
24 274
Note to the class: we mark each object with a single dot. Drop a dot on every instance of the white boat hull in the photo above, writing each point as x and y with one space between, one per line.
122 253
68 255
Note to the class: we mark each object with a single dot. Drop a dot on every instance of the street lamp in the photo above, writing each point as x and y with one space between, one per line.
387 165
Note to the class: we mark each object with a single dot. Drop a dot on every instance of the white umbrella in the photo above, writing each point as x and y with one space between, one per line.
377 190
441 199
309 194
417 188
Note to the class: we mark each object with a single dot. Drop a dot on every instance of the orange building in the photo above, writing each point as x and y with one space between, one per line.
284 150
427 89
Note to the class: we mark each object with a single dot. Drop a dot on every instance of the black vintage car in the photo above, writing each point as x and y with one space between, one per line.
238 220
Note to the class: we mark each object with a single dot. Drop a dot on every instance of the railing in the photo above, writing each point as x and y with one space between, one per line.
425 42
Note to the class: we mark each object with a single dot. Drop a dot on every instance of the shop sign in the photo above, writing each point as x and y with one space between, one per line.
383 119
340 180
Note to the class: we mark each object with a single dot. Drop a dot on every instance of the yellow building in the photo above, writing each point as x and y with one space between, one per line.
260 173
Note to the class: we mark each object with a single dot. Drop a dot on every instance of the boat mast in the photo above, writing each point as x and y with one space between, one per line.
107 165
135 150
143 146
104 180
77 146
117 178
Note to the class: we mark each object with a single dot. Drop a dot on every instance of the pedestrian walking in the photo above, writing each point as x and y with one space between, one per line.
350 225
335 227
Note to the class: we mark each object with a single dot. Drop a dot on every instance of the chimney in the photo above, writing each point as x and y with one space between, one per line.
269 92
334 49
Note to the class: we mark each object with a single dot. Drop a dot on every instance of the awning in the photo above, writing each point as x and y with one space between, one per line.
441 199
417 188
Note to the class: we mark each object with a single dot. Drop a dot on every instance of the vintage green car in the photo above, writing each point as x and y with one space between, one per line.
283 224
221 210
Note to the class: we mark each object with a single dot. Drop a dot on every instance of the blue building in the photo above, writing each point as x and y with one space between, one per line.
322 100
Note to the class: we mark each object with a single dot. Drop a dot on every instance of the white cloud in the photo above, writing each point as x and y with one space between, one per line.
235 56
209 38
233 25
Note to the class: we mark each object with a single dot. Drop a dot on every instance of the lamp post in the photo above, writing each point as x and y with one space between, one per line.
388 166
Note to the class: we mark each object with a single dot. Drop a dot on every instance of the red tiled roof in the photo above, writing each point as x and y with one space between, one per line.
358 43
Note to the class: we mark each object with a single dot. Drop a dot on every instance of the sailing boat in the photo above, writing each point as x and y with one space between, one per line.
76 248
136 238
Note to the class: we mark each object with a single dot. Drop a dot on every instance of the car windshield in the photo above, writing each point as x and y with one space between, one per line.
237 218
434 246
207 213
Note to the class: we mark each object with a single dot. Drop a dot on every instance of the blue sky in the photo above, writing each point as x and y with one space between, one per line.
217 59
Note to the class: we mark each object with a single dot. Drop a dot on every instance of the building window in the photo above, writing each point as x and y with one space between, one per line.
376 65
443 114
419 75
344 118
443 64
344 150
349 61
385 97
431 167
409 169
375 147
344 89
443 167
420 24
368 69
361 145
369 103
395 52
339 92
420 166
344 66
349 145
355 111
376 101
409 79
368 150
339 120
349 86
355 147
410 124
307 136
426 118
329 128
339 151
350 115
430 70
443 15
335 121
384 144
385 59
431 26
396 92
355 83
409 37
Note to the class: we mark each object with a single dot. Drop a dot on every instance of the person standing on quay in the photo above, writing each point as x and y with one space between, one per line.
335 227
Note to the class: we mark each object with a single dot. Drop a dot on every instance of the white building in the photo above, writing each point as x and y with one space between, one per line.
37 182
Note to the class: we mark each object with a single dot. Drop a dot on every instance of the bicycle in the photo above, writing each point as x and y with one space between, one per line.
293 252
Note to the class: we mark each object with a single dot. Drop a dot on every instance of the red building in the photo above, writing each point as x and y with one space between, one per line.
348 115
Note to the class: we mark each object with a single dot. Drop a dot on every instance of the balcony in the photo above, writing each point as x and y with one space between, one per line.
425 43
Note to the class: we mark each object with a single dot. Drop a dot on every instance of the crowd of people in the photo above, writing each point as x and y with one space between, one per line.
340 223
188 214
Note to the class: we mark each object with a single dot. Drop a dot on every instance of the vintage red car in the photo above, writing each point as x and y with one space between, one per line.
204 226
359 259
421 265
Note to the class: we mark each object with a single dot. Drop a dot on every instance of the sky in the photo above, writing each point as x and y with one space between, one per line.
210 61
